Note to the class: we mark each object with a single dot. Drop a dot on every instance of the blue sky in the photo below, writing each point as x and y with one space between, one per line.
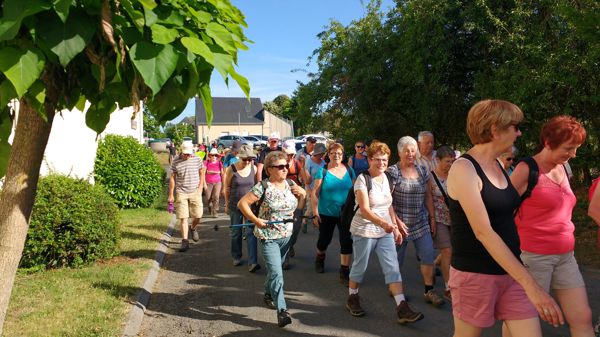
284 33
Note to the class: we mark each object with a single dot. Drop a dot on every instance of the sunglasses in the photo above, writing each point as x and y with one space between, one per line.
281 167
246 159
509 158
359 146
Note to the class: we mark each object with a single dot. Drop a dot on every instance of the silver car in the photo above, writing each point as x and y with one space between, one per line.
227 141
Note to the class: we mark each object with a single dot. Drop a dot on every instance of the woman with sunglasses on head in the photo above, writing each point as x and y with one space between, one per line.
358 161
240 177
331 186
280 200
214 178
545 226
487 279
508 159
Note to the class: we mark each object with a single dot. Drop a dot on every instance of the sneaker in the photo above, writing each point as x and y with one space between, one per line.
353 305
185 245
448 295
291 253
237 262
406 314
320 263
253 267
286 263
269 301
344 275
195 235
283 318
432 297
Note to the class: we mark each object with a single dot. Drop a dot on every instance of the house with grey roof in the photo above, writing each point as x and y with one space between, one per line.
238 116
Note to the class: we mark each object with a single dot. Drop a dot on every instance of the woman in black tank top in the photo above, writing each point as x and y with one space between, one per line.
487 279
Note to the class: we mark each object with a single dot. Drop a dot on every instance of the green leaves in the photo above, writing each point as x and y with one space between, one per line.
163 35
68 39
155 63
222 36
21 67
198 47
14 11
98 115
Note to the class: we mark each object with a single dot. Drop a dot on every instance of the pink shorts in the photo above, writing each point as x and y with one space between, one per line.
480 299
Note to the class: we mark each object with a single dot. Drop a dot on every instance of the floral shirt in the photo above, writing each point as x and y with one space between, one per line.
277 205
442 213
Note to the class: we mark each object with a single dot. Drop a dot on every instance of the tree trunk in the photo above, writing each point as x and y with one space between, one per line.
18 194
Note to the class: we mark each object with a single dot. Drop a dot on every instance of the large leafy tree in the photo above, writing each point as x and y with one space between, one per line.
58 54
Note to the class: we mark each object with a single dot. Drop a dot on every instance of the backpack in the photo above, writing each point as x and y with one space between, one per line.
255 207
351 206
593 188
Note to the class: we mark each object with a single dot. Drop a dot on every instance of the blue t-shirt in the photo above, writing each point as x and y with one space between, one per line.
333 192
359 165
230 160
313 168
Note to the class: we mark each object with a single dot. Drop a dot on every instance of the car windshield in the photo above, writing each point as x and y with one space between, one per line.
250 138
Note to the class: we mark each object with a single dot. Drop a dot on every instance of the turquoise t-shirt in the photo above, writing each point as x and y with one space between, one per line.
333 192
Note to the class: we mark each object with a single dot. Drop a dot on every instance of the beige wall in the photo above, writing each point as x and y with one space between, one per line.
272 123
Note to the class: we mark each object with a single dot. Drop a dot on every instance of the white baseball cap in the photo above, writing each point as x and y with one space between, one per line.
274 135
289 146
187 148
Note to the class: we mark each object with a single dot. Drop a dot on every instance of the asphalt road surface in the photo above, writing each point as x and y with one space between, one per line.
200 293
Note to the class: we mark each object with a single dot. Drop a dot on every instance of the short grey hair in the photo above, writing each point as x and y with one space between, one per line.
274 156
424 134
406 141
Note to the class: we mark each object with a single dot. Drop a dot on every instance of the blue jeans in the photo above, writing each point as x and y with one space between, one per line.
424 247
236 238
274 252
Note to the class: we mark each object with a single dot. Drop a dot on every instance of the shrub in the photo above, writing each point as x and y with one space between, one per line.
129 171
72 224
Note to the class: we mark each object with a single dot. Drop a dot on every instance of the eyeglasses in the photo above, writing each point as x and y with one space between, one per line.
336 154
281 167
273 140
509 158
359 146
247 159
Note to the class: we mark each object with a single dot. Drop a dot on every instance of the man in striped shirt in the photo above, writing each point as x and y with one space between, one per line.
187 179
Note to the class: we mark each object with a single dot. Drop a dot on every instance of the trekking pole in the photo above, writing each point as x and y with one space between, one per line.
250 224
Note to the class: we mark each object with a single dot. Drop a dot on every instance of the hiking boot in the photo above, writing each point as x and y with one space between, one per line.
320 263
406 314
344 275
195 235
432 297
253 267
283 318
286 263
448 295
353 305
237 262
185 245
269 301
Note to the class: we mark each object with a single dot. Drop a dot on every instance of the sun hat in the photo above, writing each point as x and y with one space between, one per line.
289 146
214 151
187 148
246 152
274 135
319 148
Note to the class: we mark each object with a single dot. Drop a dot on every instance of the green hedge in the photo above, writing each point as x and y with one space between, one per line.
129 171
72 224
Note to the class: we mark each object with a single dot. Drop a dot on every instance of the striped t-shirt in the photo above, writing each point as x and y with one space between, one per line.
187 174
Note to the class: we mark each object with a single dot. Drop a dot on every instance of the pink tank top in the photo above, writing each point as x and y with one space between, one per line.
544 219
216 166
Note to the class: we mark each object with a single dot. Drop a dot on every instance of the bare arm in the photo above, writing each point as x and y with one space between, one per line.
594 208
202 182
171 197
259 169
314 201
244 207
429 205
465 187
519 177
227 185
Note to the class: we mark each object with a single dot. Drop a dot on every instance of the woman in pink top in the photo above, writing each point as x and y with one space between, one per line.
544 222
214 177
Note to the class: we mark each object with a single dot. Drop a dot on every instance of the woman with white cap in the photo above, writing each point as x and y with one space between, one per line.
214 178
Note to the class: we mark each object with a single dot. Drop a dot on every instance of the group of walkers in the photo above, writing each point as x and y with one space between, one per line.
504 241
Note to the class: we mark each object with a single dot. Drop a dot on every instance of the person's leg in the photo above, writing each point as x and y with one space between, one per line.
401 252
297 224
326 228
575 307
271 250
210 188
424 247
362 247
195 207
216 193
464 329
236 235
523 328
183 226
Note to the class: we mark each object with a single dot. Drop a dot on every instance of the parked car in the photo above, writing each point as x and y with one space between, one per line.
257 141
227 141
319 138
166 140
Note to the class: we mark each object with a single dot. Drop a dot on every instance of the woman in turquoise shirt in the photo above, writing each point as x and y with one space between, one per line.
331 186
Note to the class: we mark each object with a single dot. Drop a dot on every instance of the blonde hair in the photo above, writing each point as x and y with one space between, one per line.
484 114
335 146
378 147
273 157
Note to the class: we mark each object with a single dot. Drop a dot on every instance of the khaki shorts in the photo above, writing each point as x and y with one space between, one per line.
188 205
558 271
442 236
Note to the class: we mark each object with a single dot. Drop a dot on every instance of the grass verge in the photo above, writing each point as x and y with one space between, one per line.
89 301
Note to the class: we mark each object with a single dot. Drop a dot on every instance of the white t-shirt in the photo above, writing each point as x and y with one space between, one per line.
380 200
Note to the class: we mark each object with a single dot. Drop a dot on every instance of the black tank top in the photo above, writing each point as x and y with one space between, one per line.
468 254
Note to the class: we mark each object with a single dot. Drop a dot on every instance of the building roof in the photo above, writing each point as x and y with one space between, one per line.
231 111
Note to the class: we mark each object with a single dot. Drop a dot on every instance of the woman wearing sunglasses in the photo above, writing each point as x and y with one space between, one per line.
239 179
331 186
508 159
214 177
279 203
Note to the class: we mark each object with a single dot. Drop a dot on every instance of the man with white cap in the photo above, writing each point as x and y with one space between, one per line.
186 180
272 145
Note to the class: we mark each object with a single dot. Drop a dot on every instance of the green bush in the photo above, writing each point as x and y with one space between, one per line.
129 171
72 224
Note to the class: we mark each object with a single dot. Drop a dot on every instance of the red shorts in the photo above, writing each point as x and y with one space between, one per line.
480 299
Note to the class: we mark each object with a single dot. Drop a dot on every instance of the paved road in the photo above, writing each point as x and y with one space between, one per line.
200 293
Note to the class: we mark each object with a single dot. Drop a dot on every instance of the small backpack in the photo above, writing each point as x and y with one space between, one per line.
351 206
255 207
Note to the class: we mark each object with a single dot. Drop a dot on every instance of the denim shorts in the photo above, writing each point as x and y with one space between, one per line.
384 247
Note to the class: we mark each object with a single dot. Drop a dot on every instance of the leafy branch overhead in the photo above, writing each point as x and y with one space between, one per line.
58 54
